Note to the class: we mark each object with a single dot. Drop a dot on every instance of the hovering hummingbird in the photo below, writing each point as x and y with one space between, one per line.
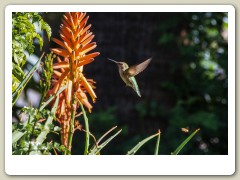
127 73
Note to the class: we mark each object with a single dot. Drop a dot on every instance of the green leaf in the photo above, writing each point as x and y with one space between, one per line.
40 41
141 143
16 135
23 36
47 28
42 136
18 73
86 128
19 89
44 104
157 144
35 153
98 148
184 143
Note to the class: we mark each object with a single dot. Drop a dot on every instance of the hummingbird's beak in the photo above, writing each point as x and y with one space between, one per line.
112 60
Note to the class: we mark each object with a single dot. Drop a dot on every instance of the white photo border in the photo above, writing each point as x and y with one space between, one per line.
120 164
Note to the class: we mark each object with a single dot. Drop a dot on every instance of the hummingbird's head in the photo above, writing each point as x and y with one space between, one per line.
121 65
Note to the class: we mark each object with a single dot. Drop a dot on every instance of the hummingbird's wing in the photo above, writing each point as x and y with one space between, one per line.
136 69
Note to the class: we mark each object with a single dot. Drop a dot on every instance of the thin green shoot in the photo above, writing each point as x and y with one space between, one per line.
141 143
179 148
86 129
97 149
158 143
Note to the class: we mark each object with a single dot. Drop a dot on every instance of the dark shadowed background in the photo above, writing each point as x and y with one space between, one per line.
185 85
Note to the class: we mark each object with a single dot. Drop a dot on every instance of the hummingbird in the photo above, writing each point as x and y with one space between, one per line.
127 73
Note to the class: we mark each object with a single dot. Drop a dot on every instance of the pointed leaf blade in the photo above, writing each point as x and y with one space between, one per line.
140 144
97 149
179 148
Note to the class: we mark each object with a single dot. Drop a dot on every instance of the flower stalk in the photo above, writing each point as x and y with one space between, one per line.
73 55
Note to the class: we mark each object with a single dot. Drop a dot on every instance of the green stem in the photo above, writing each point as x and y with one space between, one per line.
86 128
157 144
71 130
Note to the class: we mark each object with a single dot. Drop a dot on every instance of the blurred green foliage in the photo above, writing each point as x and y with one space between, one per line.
201 93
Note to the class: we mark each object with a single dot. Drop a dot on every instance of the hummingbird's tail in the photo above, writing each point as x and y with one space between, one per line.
138 92
135 86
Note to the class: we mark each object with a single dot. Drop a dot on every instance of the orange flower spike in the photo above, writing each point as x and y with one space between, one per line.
68 18
65 74
81 51
73 62
88 40
61 78
60 52
68 15
91 81
77 32
68 29
75 18
66 60
69 92
85 50
76 44
81 17
88 88
60 61
85 29
72 37
65 31
55 88
62 110
84 37
60 65
82 63
57 73
68 48
65 92
88 46
89 56
86 103
83 23
84 100
72 23
64 38
65 23
77 14
60 43
73 58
